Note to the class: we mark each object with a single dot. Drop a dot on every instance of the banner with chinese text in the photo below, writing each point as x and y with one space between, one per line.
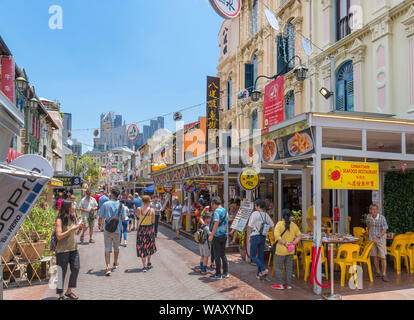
273 105
7 77
213 112
350 175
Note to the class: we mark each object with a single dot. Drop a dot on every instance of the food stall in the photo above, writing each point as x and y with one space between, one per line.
353 143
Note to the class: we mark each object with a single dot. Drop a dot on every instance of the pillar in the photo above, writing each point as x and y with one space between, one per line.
306 195
408 22
358 50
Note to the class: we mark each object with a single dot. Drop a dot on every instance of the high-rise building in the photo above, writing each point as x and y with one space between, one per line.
118 121
147 133
112 134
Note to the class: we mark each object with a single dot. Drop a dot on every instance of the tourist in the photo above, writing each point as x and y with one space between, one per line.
259 225
145 236
131 207
97 196
287 235
104 198
125 224
137 204
66 248
59 201
377 230
111 239
204 244
176 217
164 204
156 205
204 213
219 238
88 209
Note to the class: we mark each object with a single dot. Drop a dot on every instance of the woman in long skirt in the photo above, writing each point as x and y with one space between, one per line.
146 236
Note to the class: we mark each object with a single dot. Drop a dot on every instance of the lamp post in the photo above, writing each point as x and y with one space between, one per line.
300 73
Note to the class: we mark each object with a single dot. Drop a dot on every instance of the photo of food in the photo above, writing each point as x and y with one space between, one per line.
269 151
190 171
197 170
204 168
251 156
300 144
214 168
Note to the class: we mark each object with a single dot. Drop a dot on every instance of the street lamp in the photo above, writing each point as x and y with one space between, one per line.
300 73
326 93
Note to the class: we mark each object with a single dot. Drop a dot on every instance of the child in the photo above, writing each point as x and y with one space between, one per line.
205 246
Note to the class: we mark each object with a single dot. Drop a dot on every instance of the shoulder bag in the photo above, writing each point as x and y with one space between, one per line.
140 221
264 229
113 222
273 248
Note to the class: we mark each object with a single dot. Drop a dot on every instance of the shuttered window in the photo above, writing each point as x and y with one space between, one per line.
248 76
290 105
345 88
229 94
286 49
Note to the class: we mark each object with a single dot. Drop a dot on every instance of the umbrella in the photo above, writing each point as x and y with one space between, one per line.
149 189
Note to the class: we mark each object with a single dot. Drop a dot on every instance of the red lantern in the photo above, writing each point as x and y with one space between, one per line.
96 132
336 214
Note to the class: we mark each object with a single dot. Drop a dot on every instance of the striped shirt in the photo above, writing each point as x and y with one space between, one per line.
376 226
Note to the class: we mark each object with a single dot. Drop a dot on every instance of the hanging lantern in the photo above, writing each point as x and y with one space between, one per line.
96 132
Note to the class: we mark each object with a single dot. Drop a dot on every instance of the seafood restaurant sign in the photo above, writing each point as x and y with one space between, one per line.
18 195
227 9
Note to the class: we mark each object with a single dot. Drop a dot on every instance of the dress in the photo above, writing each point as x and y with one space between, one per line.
146 238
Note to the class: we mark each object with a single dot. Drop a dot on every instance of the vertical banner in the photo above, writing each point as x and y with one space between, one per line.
273 105
7 77
213 112
18 195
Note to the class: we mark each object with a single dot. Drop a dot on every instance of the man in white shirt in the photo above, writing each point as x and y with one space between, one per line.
176 217
88 208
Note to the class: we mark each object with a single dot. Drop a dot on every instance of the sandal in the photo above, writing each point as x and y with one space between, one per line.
91 241
72 296
61 298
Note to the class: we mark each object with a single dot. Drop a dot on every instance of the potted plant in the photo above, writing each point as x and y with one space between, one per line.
297 217
10 251
35 233
242 244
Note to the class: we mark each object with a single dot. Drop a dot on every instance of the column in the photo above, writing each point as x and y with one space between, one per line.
328 23
299 105
358 50
306 194
408 22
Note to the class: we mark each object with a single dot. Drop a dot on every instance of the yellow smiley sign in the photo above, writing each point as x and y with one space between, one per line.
249 179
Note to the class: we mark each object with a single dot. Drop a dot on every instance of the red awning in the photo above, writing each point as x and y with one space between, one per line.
12 154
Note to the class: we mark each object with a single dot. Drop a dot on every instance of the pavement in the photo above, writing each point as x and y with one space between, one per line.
174 278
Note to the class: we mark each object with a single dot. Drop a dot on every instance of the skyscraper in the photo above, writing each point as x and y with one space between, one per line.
118 121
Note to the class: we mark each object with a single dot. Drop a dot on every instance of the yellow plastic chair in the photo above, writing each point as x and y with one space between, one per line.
347 255
410 252
272 241
307 259
328 222
365 258
398 250
361 234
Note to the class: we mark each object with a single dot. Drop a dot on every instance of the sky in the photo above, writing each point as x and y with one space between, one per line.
138 58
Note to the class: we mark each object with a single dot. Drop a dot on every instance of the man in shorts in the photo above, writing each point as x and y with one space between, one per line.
176 217
88 208
111 239
377 226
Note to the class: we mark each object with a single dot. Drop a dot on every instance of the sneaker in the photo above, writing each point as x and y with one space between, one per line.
287 287
278 287
225 276
149 266
216 277
144 269
107 272
116 265
125 243
203 271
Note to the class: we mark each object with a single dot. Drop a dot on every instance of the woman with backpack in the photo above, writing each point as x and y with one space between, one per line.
287 236
146 235
259 226
66 247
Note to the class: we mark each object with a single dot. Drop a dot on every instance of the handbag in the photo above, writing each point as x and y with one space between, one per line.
53 241
140 221
273 248
113 222
264 229
91 215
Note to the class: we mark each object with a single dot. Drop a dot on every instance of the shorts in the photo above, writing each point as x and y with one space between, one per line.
86 222
176 224
205 249
111 240
379 249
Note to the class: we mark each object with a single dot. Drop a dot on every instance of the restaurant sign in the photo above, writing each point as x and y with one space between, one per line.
213 113
249 179
350 175
227 9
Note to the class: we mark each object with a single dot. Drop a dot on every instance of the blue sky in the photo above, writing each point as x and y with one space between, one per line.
139 58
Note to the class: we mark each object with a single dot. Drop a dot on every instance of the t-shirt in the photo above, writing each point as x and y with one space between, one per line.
88 204
222 218
130 204
309 215
289 237
376 226
156 207
109 209
138 203
257 219
96 197
102 200
176 210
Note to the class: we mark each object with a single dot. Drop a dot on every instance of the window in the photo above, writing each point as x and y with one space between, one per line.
250 74
229 94
290 105
254 121
286 49
254 17
343 18
345 88
229 135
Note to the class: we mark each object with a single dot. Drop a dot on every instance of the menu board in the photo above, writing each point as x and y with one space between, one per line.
243 215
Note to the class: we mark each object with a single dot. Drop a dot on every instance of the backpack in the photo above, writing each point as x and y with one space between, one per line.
113 222
200 236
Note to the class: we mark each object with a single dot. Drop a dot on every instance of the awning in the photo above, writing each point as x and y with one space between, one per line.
149 189
12 112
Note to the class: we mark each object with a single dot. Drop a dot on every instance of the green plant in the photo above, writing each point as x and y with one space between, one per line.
242 237
296 214
399 201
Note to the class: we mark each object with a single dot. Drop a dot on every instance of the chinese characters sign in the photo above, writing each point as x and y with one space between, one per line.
7 77
350 175
249 179
273 103
213 112
227 9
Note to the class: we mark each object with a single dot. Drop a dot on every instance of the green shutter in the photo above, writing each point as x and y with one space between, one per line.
248 77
